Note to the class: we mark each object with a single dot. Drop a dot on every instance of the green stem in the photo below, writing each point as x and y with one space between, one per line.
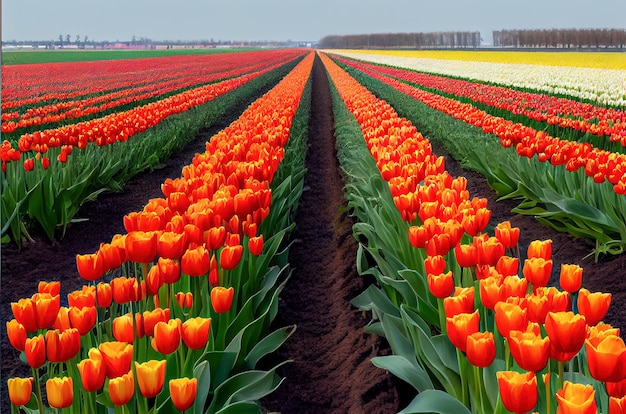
464 386
37 389
507 353
560 365
442 316
548 396
478 389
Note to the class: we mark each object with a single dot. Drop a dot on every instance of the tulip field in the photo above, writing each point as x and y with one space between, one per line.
207 294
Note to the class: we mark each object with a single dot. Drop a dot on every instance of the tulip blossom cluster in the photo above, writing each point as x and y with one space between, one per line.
128 339
532 328
599 164
567 113
604 86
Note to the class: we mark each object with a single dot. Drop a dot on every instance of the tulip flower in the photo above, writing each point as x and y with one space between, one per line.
141 246
195 235
90 266
507 266
510 317
117 357
183 392
52 288
529 350
92 371
195 332
537 270
490 291
25 313
418 236
439 244
184 299
617 405
150 377
606 357
518 391
60 392
461 302
62 346
481 349
122 388
540 248
16 334
123 329
567 332
593 306
466 255
435 265
489 251
170 269
112 256
171 245
195 262
442 285
167 336
154 280
35 351
255 245
85 297
216 237
571 277
104 295
62 322
508 236
222 298
46 309
460 326
20 390
537 307
230 256
83 319
576 398
616 389
151 318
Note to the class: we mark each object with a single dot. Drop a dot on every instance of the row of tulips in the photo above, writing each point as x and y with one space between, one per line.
597 85
33 84
599 164
64 109
547 109
569 201
185 326
451 301
50 186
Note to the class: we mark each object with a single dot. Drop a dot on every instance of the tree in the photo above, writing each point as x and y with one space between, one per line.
67 38
61 39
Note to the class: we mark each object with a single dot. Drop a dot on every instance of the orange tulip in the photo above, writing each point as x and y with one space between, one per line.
167 336
507 266
442 285
170 269
123 329
567 332
481 349
576 398
418 236
35 350
104 295
255 245
52 288
593 306
150 377
126 290
151 318
435 264
439 244
537 306
230 256
92 371
195 235
489 251
184 299
25 313
112 256
216 237
178 201
518 391
222 298
617 405
154 280
60 392
122 388
61 347
171 245
529 350
183 392
460 326
85 297
20 390
63 320
466 255
514 286
571 277
461 302
90 266
537 270
46 309
616 389
16 334
141 246
83 319
508 236
510 317
540 248
195 262
195 332
490 291
606 357
117 357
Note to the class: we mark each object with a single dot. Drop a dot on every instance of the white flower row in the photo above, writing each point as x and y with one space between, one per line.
603 86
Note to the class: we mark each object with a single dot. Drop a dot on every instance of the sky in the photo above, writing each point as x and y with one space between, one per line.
296 20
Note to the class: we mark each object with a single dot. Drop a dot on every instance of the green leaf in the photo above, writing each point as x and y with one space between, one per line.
435 401
406 370
268 344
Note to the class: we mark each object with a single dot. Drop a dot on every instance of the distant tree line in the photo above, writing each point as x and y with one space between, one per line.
561 38
403 40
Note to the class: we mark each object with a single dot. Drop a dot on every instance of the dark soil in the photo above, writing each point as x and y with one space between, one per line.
331 371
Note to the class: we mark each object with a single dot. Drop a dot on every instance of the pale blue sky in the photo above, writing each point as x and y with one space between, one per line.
292 19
